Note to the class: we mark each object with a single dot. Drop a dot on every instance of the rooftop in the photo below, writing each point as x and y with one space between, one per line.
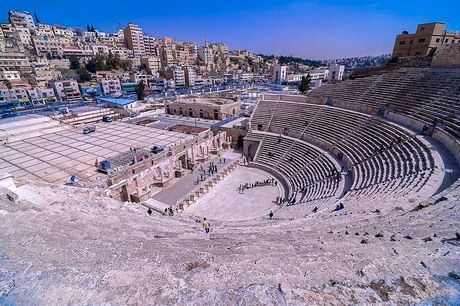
117 101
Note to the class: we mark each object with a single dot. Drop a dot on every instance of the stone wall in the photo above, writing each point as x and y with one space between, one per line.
446 55
133 183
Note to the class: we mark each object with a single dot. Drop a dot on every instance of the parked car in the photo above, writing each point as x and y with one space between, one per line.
107 119
89 129
157 149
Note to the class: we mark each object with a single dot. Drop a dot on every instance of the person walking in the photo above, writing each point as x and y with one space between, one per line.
270 215
206 226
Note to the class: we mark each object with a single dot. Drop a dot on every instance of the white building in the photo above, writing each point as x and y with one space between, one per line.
66 89
335 73
246 77
101 49
177 75
111 87
11 75
190 76
134 39
24 19
279 74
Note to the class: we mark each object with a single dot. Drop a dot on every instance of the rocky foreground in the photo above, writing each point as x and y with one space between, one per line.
62 246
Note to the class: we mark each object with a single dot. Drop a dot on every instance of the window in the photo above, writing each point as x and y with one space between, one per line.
418 53
437 39
411 42
421 40
402 42
422 29
446 41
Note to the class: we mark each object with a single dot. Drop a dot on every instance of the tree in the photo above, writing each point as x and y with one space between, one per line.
126 65
88 29
305 83
92 28
92 66
36 18
74 62
140 90
7 84
83 75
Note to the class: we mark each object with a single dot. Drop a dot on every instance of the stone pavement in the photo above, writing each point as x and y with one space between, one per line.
186 184
225 203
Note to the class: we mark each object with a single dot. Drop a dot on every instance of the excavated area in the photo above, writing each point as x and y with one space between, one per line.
63 245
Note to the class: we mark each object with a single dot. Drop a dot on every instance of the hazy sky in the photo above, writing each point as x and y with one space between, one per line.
309 29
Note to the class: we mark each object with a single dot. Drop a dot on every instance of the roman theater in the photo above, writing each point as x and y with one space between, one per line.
362 178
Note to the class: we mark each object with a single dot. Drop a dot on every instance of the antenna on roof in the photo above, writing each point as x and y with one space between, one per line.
423 18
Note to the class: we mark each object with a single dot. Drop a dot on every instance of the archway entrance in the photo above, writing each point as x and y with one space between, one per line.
240 142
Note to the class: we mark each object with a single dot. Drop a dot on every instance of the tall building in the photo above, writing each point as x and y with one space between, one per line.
21 19
150 45
206 54
335 72
279 74
427 37
190 76
134 39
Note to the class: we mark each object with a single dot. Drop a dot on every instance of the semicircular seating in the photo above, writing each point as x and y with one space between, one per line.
384 159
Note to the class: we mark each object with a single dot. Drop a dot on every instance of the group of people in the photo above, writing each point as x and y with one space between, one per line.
212 169
267 182
169 211
339 207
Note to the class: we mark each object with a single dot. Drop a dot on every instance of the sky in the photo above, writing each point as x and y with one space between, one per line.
307 29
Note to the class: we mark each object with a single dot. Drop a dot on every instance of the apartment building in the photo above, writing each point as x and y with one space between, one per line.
15 62
41 94
111 86
190 76
336 72
279 74
152 62
427 37
47 45
150 45
66 89
177 75
62 32
134 39
22 19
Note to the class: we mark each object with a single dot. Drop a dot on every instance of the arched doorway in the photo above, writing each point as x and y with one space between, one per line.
240 142
180 111
190 112
168 110
201 113
216 114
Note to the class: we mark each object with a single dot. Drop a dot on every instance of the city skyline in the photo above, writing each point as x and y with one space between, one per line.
299 28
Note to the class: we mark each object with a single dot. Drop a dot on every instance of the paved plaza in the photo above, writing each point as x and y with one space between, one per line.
54 157
224 202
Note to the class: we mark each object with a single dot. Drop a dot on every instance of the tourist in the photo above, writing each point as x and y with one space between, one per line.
270 215
206 225
315 209
224 160
149 211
